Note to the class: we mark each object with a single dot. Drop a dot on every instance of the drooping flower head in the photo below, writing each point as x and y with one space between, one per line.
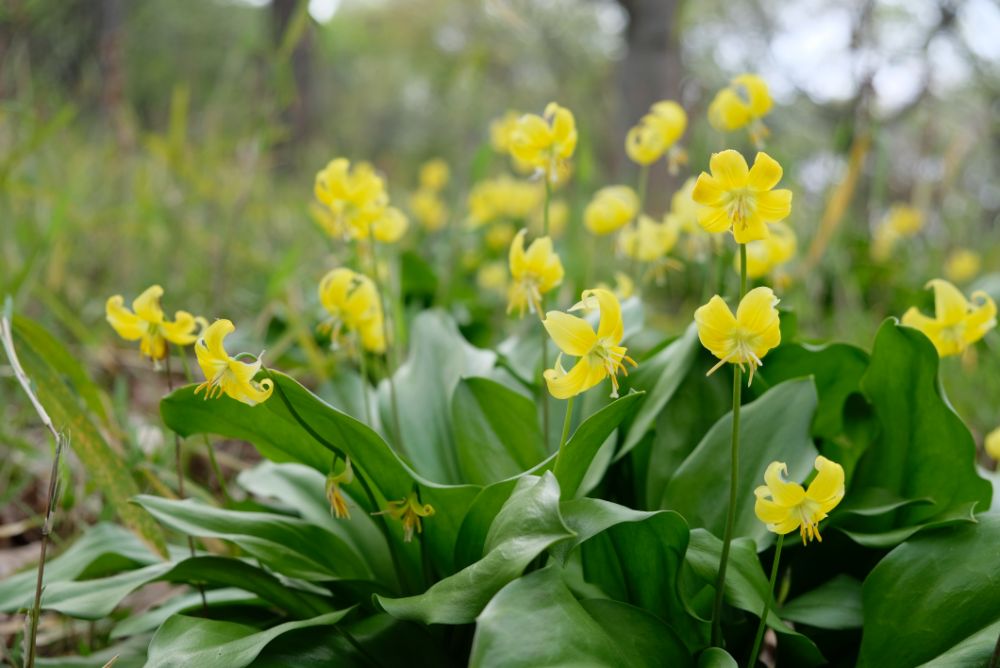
545 142
434 175
957 323
353 303
147 324
648 240
355 196
429 210
739 198
611 208
225 374
745 338
409 511
785 506
962 265
600 354
766 255
533 273
338 504
743 103
503 198
656 135
900 222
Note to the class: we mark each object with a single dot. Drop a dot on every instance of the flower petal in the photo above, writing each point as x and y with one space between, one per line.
610 326
758 96
950 305
128 325
774 205
768 511
827 488
572 383
716 325
730 169
574 336
147 305
785 493
518 262
708 191
982 319
765 173
714 220
182 330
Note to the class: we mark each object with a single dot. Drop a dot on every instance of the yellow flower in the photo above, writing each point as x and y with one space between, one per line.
502 130
957 323
545 142
533 273
338 504
355 196
503 198
146 323
327 222
352 302
499 236
599 353
492 277
739 198
742 339
785 506
962 265
648 240
743 103
611 209
697 243
558 217
904 220
624 286
429 210
408 511
434 175
766 255
225 374
656 133
992 443
389 227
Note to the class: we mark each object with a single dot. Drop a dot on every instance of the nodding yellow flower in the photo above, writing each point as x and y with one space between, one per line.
429 209
225 374
503 198
408 511
533 273
624 286
326 221
545 142
742 339
338 504
599 353
656 134
785 506
900 221
389 227
957 322
353 303
648 240
355 196
502 131
992 443
698 243
499 235
611 208
147 323
766 255
434 175
962 265
741 199
743 103
492 277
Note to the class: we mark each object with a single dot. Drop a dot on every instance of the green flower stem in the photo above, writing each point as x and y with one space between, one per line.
643 185
390 341
743 270
767 604
566 425
543 393
221 479
545 210
363 370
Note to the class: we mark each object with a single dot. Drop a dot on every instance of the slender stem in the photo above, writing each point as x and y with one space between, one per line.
643 184
565 430
543 393
216 469
743 270
390 343
363 370
767 604
545 210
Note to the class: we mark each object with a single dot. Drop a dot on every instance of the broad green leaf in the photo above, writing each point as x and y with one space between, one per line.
106 470
774 427
130 653
284 544
345 392
497 435
151 620
191 641
536 621
873 501
932 597
714 657
923 449
526 526
835 604
893 537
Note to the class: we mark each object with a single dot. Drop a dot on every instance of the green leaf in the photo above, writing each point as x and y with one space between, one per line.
284 544
933 597
893 537
526 526
497 435
714 657
151 620
923 449
835 604
191 641
128 654
774 427
536 621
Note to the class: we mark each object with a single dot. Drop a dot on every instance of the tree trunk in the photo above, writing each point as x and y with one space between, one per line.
293 76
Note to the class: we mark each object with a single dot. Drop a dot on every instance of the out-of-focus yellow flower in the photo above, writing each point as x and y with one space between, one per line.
599 353
492 277
624 286
147 323
957 322
499 235
741 199
503 198
766 255
992 444
429 210
657 133
409 511
502 130
389 227
533 273
610 209
742 339
434 175
326 221
353 303
225 374
743 103
900 221
558 218
355 196
648 240
338 504
785 506
697 243
545 142
962 265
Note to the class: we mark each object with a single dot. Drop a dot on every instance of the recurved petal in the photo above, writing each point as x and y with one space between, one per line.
783 492
708 191
211 340
610 326
576 380
827 488
518 262
765 173
950 305
574 336
182 330
757 93
714 220
716 324
334 288
774 205
730 169
756 312
982 318
128 325
768 511
147 305
538 255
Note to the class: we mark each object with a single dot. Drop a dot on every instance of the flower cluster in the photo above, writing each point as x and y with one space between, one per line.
426 203
357 203
353 304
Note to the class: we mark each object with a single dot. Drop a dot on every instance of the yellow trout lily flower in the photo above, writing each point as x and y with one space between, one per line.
900 221
353 303
656 134
147 323
962 265
611 209
225 374
355 196
648 240
408 511
338 504
599 353
743 103
741 199
429 210
766 255
533 273
992 444
499 236
957 322
785 506
545 142
434 175
389 227
742 339
492 277
503 198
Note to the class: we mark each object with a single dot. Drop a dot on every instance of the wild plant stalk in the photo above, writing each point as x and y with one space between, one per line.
543 396
767 604
643 184
221 479
390 343
720 583
363 370
567 421
7 337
